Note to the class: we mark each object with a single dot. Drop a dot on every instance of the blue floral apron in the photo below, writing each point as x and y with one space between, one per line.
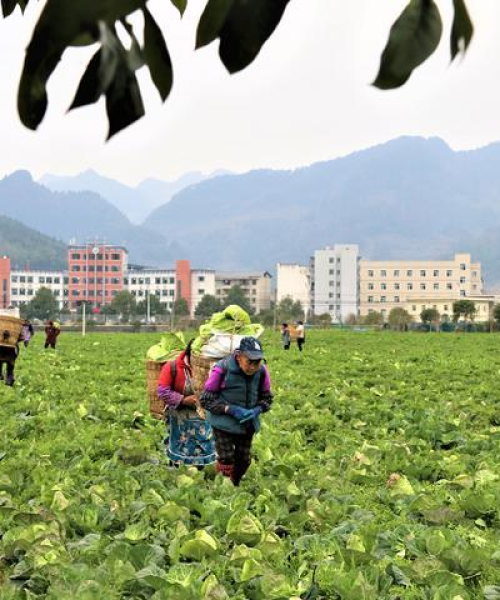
190 440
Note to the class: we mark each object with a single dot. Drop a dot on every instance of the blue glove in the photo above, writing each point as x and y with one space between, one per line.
240 413
252 414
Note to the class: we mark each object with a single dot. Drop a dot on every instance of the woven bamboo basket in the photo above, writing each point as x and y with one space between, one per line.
201 367
10 330
156 406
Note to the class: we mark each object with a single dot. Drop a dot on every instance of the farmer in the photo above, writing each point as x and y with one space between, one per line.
8 355
28 332
301 335
190 439
285 336
236 392
51 333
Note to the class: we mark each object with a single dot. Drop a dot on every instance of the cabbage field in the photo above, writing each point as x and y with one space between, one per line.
376 476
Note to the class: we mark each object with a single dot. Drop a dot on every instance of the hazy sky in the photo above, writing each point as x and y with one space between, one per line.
306 98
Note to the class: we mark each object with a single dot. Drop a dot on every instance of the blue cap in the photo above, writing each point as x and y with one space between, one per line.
252 348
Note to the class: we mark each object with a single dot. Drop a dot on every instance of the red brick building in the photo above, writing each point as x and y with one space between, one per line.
96 272
4 282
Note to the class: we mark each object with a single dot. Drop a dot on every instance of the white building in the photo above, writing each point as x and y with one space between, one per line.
294 281
24 284
256 285
335 281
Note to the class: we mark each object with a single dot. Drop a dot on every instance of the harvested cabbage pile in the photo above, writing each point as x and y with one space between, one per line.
233 320
168 348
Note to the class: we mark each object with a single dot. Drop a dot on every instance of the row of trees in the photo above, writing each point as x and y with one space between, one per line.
399 318
44 305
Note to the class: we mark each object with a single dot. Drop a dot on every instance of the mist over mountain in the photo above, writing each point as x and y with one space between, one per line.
408 198
134 202
81 216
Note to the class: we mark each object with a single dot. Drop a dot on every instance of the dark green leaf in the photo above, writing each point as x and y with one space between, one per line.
8 6
246 29
157 56
212 20
60 25
89 90
413 38
462 29
123 99
180 5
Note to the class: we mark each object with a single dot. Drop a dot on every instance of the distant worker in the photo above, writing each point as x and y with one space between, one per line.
285 336
237 391
28 332
51 334
8 356
301 335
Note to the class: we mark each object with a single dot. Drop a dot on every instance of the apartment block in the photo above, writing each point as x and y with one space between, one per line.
24 284
96 273
4 282
335 281
386 284
294 281
256 285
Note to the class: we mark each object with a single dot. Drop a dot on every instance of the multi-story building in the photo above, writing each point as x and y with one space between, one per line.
96 273
169 285
294 281
257 287
335 281
24 284
386 284
444 305
4 282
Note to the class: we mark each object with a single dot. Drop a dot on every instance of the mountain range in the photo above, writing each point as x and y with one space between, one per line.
133 202
408 198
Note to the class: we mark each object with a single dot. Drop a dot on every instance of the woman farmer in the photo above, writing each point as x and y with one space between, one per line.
190 439
28 332
51 333
237 391
8 355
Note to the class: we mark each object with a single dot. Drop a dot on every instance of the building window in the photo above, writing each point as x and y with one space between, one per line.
396 273
331 259
462 266
396 298
383 273
330 307
383 286
436 286
370 298
449 273
57 280
14 278
22 279
201 277
330 295
75 268
462 279
462 292
422 273
370 286
435 273
422 286
172 292
331 272
414 308
48 280
75 256
382 298
409 273
115 257
474 287
172 280
41 279
445 307
30 279
75 280
397 286
75 293
14 291
409 286
202 292
370 273
474 273
449 286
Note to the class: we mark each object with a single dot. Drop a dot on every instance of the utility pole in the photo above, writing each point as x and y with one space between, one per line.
148 308
83 317
172 316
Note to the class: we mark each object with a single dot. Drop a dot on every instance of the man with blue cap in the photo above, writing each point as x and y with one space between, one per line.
237 391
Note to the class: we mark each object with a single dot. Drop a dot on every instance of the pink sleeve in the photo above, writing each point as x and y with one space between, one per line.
266 381
214 381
